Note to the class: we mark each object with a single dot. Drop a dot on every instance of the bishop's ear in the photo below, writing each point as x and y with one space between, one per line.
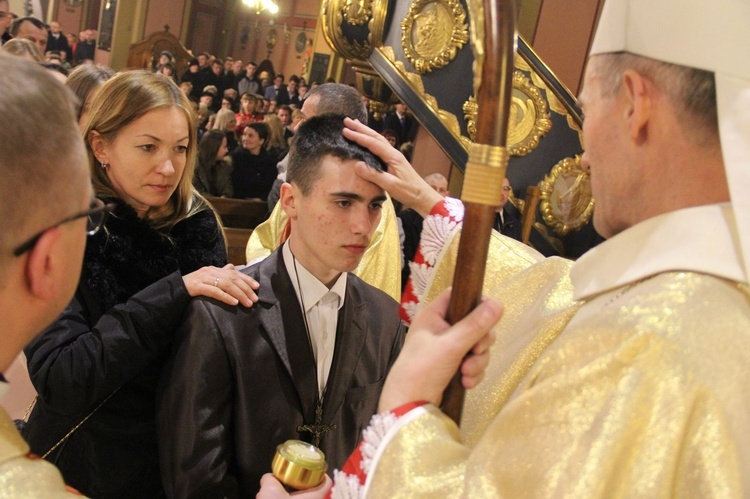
638 94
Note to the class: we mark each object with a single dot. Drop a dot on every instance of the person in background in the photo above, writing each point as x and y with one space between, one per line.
226 123
101 359
402 123
58 41
303 89
72 41
284 113
278 90
277 144
507 217
31 29
86 48
193 76
390 136
213 175
249 83
253 169
85 81
165 57
167 70
21 47
248 112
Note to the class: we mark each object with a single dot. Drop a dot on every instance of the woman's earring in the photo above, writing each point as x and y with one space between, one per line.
105 166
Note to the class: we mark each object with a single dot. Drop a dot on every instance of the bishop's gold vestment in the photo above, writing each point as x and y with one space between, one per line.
639 389
21 476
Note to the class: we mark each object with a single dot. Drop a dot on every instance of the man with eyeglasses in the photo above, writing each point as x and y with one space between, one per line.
507 221
46 209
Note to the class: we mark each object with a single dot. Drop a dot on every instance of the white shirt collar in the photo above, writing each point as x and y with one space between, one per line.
312 289
698 239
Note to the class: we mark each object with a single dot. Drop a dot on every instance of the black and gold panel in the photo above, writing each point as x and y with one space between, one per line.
422 50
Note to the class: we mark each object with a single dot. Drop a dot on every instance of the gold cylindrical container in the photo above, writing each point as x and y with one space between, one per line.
299 465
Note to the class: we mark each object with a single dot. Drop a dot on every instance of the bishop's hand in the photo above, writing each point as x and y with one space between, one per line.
434 350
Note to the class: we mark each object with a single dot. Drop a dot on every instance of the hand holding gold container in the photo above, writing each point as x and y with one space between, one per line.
299 465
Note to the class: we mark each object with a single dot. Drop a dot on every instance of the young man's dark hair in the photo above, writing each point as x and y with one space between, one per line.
317 138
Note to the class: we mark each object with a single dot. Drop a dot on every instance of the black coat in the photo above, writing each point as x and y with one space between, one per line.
116 333
244 379
252 175
61 45
404 133
510 224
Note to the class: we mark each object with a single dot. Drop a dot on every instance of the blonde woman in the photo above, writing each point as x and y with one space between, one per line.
225 122
277 147
100 362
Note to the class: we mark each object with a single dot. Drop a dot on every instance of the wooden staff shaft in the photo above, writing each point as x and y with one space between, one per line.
482 198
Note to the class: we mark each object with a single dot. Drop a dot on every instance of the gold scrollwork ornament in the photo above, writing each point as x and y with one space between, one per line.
271 39
433 32
332 16
529 117
357 12
566 201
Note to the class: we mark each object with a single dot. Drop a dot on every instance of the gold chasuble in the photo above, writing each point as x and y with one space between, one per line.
21 474
639 389
380 265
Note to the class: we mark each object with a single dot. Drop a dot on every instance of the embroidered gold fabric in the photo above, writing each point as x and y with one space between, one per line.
643 391
21 477
380 265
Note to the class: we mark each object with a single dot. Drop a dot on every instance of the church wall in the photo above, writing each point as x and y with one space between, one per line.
162 12
563 36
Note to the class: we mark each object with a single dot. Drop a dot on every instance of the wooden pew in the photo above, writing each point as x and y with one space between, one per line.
240 217
239 213
236 243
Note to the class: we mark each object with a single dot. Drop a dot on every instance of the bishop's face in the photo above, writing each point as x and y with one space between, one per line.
615 179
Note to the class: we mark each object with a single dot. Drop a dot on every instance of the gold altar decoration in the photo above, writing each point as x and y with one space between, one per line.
433 32
529 116
335 14
357 12
566 199
271 39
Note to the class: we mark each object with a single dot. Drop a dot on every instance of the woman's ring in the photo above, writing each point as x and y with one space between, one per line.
216 282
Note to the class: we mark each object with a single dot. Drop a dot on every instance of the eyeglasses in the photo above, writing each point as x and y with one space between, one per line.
96 214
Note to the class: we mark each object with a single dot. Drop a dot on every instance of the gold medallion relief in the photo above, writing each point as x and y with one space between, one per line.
566 200
433 32
528 121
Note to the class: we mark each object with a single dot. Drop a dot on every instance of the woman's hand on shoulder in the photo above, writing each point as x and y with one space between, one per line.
225 284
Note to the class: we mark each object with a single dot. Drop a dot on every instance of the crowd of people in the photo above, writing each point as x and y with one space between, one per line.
163 371
213 86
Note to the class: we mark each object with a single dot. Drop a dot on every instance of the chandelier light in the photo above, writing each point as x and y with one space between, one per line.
261 5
